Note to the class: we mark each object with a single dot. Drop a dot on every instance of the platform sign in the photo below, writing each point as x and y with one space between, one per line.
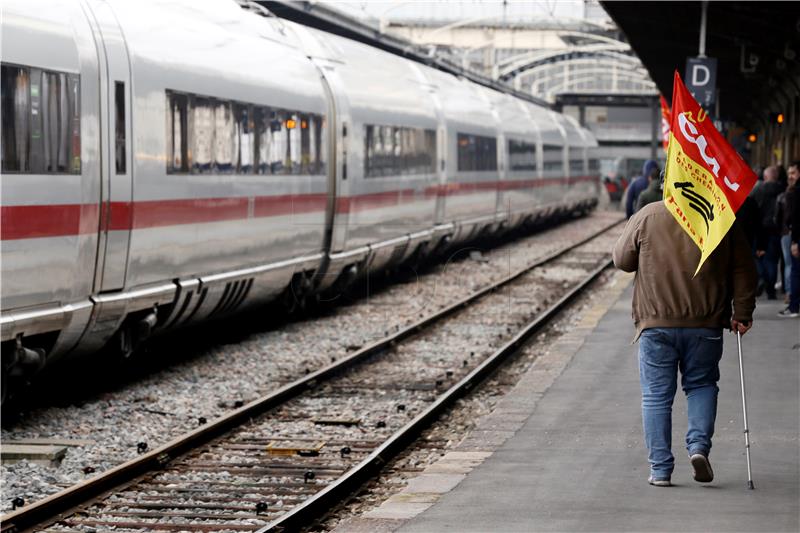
701 80
706 180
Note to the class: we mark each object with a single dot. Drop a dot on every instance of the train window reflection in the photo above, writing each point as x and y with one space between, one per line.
245 138
553 158
279 146
224 139
575 159
476 153
202 135
15 103
521 155
293 162
398 150
207 135
119 126
177 128
74 101
40 121
55 122
263 140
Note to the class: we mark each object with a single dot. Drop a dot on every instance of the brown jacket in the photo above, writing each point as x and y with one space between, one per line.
666 293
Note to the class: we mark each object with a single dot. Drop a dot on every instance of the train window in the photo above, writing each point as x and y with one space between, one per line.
398 150
293 159
16 118
521 155
305 144
177 133
37 141
41 121
201 120
225 142
245 138
279 146
263 140
318 144
55 122
428 160
476 153
552 158
207 135
576 159
119 128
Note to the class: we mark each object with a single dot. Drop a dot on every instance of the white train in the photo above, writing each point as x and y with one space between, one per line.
166 162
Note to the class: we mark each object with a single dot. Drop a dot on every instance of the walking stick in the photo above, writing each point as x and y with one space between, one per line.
744 412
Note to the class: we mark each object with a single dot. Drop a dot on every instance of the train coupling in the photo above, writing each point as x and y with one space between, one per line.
24 360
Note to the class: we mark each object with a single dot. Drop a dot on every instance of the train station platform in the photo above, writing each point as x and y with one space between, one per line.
563 451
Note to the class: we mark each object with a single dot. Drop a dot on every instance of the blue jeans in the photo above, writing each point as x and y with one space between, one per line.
662 352
768 264
786 251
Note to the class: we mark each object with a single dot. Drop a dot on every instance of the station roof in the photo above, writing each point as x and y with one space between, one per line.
756 44
326 18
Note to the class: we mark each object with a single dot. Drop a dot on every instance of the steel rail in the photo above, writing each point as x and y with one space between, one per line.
66 502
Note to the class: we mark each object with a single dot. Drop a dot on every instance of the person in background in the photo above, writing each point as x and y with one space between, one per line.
783 219
768 241
750 220
783 177
637 186
679 318
653 192
793 311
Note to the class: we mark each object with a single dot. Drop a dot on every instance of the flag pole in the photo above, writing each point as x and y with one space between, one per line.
744 412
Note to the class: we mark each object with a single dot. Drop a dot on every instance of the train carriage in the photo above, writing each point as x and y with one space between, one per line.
517 194
582 185
385 185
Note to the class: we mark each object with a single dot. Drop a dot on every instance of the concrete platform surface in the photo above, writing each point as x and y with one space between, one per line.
578 463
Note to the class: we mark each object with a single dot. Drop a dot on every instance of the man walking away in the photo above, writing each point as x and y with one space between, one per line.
783 219
793 311
653 192
768 242
637 186
679 319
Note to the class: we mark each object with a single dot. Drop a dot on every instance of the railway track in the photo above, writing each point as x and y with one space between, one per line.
283 460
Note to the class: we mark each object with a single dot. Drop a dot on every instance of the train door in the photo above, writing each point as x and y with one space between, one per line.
339 129
116 167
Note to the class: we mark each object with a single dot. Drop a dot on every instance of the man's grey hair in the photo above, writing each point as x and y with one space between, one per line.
771 173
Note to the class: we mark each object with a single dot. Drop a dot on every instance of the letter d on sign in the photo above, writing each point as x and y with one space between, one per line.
700 75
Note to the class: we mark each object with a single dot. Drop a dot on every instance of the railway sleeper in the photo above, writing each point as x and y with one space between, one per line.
202 497
158 526
227 514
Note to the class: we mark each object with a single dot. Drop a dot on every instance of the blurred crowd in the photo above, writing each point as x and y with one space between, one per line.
770 217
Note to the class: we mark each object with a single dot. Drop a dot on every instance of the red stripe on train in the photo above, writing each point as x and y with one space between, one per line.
32 221
37 221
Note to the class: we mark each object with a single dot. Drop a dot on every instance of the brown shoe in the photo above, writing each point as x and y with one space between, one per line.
701 468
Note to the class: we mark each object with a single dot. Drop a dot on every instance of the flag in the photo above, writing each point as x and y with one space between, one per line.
706 181
665 121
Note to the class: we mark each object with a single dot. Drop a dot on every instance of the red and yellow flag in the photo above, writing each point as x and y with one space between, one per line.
665 122
706 181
